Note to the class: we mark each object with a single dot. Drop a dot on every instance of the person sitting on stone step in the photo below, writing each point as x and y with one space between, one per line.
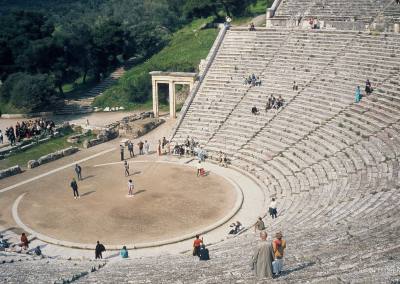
203 253
254 110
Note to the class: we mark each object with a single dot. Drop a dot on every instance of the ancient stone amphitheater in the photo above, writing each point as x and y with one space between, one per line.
333 164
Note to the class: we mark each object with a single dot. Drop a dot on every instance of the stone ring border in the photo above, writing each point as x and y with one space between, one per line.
73 245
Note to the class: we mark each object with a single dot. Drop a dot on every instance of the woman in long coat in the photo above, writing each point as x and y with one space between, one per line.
263 257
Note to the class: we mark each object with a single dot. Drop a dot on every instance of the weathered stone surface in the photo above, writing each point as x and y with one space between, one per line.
10 172
70 151
33 164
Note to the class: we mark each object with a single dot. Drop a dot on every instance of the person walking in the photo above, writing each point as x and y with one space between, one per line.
159 148
1 137
262 258
74 187
273 209
259 225
121 149
126 166
140 145
146 147
278 245
99 250
130 149
130 188
78 171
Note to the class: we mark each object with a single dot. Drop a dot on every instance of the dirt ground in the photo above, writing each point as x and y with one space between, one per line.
169 201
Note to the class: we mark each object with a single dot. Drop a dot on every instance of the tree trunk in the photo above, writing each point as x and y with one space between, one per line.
84 76
60 90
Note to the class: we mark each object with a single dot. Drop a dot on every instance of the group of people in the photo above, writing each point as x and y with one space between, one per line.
199 249
21 247
163 147
272 103
267 260
368 91
144 148
252 80
27 129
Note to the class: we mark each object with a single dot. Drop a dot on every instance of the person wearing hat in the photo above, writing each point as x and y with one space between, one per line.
278 245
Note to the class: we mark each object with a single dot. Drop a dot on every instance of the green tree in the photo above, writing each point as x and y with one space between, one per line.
27 92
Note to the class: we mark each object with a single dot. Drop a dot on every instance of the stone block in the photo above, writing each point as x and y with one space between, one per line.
45 159
32 164
69 151
10 172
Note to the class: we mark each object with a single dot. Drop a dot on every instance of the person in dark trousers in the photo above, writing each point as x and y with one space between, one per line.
204 255
130 149
140 144
196 245
121 149
78 171
126 165
99 250
74 187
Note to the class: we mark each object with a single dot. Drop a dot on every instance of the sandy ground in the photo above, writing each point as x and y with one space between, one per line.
170 200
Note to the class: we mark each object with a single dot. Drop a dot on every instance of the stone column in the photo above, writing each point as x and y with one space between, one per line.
155 99
172 100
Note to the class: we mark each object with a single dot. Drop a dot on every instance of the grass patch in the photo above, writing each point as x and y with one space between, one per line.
37 151
183 53
260 7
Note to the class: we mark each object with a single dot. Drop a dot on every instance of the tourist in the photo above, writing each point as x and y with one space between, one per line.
273 209
358 94
74 187
1 137
278 245
159 148
258 81
146 147
130 149
236 228
368 87
121 149
199 169
295 86
279 102
252 27
203 253
222 159
254 110
3 243
140 145
78 171
126 167
38 251
87 122
124 252
99 250
164 143
262 258
130 188
196 245
24 242
259 225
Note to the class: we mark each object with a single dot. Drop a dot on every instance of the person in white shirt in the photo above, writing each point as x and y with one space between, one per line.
272 209
130 188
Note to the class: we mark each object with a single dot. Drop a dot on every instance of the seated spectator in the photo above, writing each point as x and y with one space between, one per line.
279 102
38 251
258 81
222 160
368 87
252 27
124 252
295 87
236 228
24 241
254 110
203 253
3 243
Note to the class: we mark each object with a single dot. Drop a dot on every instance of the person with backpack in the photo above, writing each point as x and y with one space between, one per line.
279 246
99 250
130 149
203 253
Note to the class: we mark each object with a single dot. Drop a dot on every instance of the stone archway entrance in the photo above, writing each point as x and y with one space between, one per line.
172 79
